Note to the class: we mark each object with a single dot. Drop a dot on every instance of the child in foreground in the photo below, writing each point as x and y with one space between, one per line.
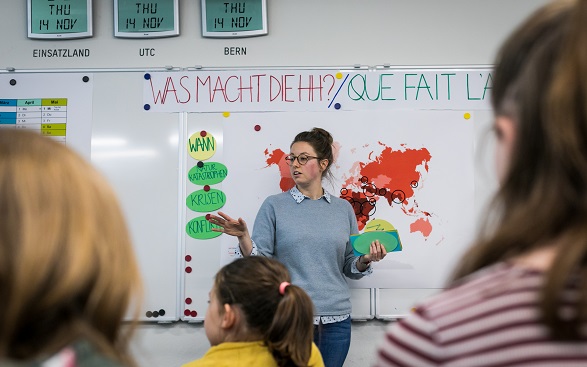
257 318
68 272
519 295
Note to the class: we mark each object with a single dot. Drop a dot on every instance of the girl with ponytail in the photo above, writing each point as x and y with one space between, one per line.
257 318
519 295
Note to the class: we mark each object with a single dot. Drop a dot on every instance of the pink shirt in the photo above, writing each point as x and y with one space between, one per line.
491 319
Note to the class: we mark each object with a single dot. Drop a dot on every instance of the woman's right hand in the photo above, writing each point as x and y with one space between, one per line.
233 227
228 225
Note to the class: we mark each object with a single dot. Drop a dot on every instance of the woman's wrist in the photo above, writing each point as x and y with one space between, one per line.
361 260
246 245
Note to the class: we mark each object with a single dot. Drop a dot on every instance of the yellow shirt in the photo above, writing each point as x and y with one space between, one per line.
246 354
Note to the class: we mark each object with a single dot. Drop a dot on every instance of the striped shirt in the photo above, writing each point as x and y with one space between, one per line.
490 319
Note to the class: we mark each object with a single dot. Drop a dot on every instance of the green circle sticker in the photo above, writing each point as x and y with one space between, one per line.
209 174
201 229
205 201
201 145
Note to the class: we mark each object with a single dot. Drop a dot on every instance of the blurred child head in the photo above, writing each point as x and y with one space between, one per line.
67 267
539 99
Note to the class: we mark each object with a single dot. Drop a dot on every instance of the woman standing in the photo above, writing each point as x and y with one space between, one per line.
308 230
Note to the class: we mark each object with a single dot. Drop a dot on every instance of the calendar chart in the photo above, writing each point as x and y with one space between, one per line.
48 116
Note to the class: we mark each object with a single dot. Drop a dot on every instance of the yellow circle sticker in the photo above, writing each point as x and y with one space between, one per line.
201 145
379 225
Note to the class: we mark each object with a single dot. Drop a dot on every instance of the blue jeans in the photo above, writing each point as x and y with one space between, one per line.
334 341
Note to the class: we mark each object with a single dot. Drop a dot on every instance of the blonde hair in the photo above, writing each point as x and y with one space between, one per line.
67 267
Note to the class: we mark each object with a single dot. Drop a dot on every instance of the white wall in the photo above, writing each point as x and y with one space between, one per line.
301 33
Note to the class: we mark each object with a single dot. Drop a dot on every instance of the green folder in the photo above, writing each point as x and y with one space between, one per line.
362 242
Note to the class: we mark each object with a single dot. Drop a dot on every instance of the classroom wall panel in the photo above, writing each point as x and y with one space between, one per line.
302 33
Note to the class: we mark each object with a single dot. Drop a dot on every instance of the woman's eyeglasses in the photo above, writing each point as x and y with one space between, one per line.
302 159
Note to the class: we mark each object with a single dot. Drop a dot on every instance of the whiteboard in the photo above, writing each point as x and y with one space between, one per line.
394 303
138 153
205 257
425 261
276 104
442 199
56 105
143 153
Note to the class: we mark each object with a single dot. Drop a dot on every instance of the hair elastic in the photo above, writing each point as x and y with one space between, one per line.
282 287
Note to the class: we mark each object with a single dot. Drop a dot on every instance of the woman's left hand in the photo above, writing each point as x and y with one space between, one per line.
376 253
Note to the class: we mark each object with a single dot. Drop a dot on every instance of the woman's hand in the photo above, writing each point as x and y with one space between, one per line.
232 227
376 253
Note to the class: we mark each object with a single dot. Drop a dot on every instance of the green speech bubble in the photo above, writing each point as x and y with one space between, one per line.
203 201
201 229
209 174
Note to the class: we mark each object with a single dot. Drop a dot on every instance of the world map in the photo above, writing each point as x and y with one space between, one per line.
391 176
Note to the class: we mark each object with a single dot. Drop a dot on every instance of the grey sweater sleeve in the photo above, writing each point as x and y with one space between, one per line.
264 229
349 253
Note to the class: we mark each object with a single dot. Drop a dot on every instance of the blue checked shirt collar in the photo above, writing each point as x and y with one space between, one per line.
299 197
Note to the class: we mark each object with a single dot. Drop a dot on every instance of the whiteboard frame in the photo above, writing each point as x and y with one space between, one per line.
403 307
371 313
